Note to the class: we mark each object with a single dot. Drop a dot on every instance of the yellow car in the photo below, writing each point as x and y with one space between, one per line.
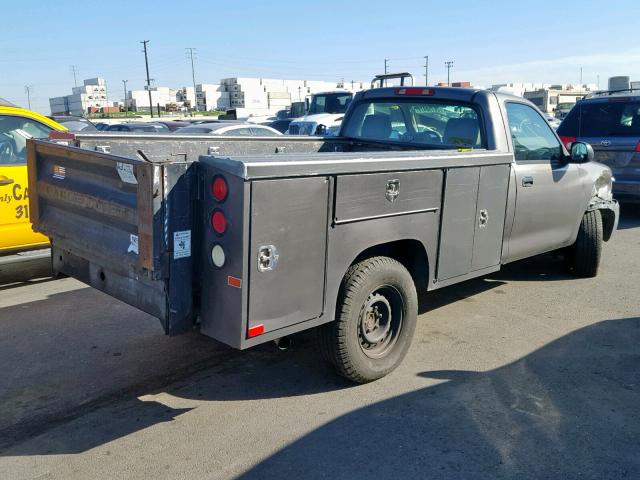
16 126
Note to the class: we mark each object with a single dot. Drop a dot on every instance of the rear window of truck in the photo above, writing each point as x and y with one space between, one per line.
428 123
602 119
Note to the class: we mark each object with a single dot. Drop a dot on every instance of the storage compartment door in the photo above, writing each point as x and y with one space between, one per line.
458 222
287 254
492 200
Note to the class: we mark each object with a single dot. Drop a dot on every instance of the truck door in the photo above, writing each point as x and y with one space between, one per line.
549 197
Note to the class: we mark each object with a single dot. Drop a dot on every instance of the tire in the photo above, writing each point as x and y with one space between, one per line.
584 255
376 317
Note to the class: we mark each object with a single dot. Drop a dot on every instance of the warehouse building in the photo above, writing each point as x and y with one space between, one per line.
259 95
271 94
138 100
210 97
558 100
91 96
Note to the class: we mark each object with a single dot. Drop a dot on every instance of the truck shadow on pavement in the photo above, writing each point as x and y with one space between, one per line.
92 356
568 410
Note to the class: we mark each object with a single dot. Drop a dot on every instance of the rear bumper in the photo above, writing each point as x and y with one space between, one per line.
610 210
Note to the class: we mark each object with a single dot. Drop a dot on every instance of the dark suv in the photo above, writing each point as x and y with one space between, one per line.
610 122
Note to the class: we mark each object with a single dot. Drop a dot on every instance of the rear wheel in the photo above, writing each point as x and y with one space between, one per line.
584 255
376 318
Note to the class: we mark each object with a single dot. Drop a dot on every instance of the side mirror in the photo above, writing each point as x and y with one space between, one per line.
581 152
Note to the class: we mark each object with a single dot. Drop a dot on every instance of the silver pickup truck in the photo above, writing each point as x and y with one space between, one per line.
254 239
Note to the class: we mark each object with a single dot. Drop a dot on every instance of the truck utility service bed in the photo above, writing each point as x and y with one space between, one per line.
142 228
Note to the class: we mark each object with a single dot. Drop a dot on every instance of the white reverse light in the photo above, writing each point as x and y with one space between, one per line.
217 256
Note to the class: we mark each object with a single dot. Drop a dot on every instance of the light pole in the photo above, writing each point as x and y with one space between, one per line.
124 83
190 54
27 90
449 64
146 64
426 70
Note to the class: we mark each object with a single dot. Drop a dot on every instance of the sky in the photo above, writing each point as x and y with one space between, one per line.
489 42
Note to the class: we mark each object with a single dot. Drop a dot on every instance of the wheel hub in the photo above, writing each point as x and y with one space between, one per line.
376 319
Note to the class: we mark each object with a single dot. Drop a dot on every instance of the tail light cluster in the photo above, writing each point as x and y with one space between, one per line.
220 192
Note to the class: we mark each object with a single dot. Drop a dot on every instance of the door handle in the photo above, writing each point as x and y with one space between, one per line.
6 181
527 181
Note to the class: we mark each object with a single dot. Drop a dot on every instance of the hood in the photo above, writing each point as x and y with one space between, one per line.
327 119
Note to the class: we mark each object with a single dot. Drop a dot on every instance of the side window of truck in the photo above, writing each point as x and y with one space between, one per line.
532 136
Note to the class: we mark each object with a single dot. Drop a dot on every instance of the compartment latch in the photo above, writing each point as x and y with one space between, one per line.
267 258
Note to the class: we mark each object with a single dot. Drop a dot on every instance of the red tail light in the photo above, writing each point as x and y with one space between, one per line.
567 141
219 189
638 148
415 91
218 222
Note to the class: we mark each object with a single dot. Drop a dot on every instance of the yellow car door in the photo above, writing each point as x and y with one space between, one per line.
15 229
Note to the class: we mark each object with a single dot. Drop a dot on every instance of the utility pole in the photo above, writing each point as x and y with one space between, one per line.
598 82
146 63
190 52
426 70
124 83
74 71
580 77
449 64
27 90
386 60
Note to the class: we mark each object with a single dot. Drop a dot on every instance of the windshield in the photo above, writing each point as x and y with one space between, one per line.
78 125
194 129
142 128
329 103
565 106
426 122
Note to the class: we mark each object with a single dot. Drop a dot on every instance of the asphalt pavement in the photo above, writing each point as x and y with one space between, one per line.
526 374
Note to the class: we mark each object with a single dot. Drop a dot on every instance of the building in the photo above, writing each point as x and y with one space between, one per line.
91 96
558 100
211 97
268 95
455 84
519 88
138 100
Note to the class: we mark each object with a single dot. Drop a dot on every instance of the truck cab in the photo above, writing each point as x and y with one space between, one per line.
324 115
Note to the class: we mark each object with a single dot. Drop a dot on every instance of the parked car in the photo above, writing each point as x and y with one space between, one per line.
101 126
17 125
137 127
281 125
74 123
172 125
553 121
235 129
610 122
